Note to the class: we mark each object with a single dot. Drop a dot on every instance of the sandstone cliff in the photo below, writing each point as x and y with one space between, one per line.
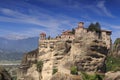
84 53
113 62
27 69
112 76
30 58
4 74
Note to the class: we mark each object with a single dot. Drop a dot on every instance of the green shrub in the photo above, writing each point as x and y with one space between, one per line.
113 63
74 70
54 71
39 66
95 27
14 78
73 31
86 76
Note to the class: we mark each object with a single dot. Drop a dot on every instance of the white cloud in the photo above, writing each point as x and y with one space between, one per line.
42 19
98 7
111 26
103 8
54 23
51 24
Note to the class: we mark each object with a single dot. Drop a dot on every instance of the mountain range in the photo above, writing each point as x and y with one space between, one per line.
14 49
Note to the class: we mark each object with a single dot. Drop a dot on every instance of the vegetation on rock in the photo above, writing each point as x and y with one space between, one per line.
74 70
86 76
54 71
113 63
73 31
95 27
39 66
117 41
62 76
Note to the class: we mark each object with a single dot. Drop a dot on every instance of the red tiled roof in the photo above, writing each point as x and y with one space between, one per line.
106 31
68 32
42 33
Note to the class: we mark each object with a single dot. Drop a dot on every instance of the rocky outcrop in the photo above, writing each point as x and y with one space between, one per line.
30 58
112 76
27 68
4 74
116 48
53 57
92 57
85 53
62 76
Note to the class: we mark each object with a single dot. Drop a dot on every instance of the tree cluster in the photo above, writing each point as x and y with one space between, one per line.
95 27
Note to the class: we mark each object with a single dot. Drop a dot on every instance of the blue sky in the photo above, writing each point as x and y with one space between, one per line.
27 18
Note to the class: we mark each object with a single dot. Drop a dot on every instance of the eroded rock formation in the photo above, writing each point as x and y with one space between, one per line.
116 48
4 75
87 55
28 69
112 75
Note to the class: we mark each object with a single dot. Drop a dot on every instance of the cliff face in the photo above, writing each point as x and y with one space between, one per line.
86 54
30 58
112 75
4 74
27 69
62 76
116 48
113 62
91 57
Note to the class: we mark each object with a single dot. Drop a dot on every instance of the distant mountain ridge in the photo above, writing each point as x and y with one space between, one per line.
14 49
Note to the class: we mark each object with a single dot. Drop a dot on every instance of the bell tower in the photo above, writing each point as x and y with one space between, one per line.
81 25
42 36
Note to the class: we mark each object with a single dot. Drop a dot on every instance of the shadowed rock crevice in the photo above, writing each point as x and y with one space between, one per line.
93 57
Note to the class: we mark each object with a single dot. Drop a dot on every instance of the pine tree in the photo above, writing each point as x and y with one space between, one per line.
73 31
95 27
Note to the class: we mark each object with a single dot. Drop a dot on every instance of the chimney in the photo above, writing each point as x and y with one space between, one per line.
81 25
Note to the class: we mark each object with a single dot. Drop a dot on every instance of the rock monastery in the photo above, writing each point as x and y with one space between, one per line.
82 48
80 31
